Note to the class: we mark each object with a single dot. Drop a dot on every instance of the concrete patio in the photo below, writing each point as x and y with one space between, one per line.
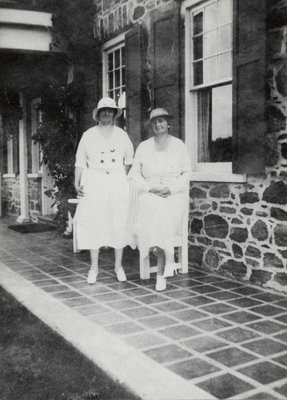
205 337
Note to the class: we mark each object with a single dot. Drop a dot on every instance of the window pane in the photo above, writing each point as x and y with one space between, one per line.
210 46
123 77
117 95
110 61
198 73
110 80
111 94
197 47
221 141
209 70
117 58
197 23
224 12
117 78
224 38
224 65
210 17
123 55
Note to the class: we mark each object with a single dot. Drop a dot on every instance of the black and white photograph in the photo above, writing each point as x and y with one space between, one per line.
143 199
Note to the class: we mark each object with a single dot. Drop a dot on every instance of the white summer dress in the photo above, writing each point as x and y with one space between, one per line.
101 216
159 219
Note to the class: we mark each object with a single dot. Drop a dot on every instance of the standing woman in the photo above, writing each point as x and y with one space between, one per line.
161 172
105 152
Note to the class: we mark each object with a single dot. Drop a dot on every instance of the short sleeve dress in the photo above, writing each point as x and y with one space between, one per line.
159 219
101 216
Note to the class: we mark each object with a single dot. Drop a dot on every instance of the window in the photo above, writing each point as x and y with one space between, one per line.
35 162
209 88
114 71
11 144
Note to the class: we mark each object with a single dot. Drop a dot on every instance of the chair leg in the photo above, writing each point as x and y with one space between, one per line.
145 267
75 244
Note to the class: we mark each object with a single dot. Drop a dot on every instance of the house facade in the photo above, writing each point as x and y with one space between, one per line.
219 67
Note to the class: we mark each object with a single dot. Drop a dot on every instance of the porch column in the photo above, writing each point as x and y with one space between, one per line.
24 205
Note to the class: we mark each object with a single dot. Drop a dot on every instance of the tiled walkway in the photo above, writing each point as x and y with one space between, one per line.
225 337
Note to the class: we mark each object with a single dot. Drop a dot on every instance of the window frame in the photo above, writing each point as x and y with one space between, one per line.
221 172
109 46
36 154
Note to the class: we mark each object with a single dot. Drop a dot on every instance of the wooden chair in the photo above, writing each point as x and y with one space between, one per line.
180 239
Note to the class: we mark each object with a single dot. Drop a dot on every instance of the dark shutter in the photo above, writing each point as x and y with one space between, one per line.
249 125
135 104
166 63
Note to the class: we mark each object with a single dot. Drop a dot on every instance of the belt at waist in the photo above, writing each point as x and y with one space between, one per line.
114 171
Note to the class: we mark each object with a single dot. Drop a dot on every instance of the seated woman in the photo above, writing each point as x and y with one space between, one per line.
161 171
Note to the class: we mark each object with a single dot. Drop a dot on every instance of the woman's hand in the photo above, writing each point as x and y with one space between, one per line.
80 191
162 191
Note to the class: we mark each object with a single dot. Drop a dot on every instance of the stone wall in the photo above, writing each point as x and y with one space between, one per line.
11 197
114 16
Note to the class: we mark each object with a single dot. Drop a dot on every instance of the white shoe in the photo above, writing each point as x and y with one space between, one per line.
92 277
121 276
170 270
160 283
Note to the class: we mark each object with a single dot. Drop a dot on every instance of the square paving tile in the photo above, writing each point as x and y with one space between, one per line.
225 386
282 337
77 302
92 309
218 308
229 285
265 346
180 294
75 278
110 318
198 301
189 315
67 295
193 368
269 297
136 292
281 360
282 303
241 317
152 299
123 304
46 282
158 321
179 332
203 343
261 396
245 302
92 290
168 353
267 310
211 324
237 335
170 306
55 288
282 318
119 286
224 295
205 289
107 297
139 312
282 390
248 291
231 357
144 340
124 328
267 326
187 283
264 372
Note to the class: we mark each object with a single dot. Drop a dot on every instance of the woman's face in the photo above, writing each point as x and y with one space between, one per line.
159 125
106 116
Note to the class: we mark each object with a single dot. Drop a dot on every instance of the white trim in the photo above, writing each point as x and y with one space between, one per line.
35 147
217 177
37 175
26 17
9 175
114 42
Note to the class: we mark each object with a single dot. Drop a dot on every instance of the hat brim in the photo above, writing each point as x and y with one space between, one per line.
118 110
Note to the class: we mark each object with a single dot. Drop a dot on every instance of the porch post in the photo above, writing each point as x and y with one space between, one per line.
1 158
24 205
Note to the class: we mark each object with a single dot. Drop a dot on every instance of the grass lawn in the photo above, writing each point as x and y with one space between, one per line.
38 364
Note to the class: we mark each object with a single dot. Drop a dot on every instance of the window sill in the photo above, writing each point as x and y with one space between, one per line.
35 175
224 177
9 176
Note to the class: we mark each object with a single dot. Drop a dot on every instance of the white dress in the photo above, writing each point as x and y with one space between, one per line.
159 219
101 216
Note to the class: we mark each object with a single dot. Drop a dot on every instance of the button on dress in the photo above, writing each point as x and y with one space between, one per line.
101 216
